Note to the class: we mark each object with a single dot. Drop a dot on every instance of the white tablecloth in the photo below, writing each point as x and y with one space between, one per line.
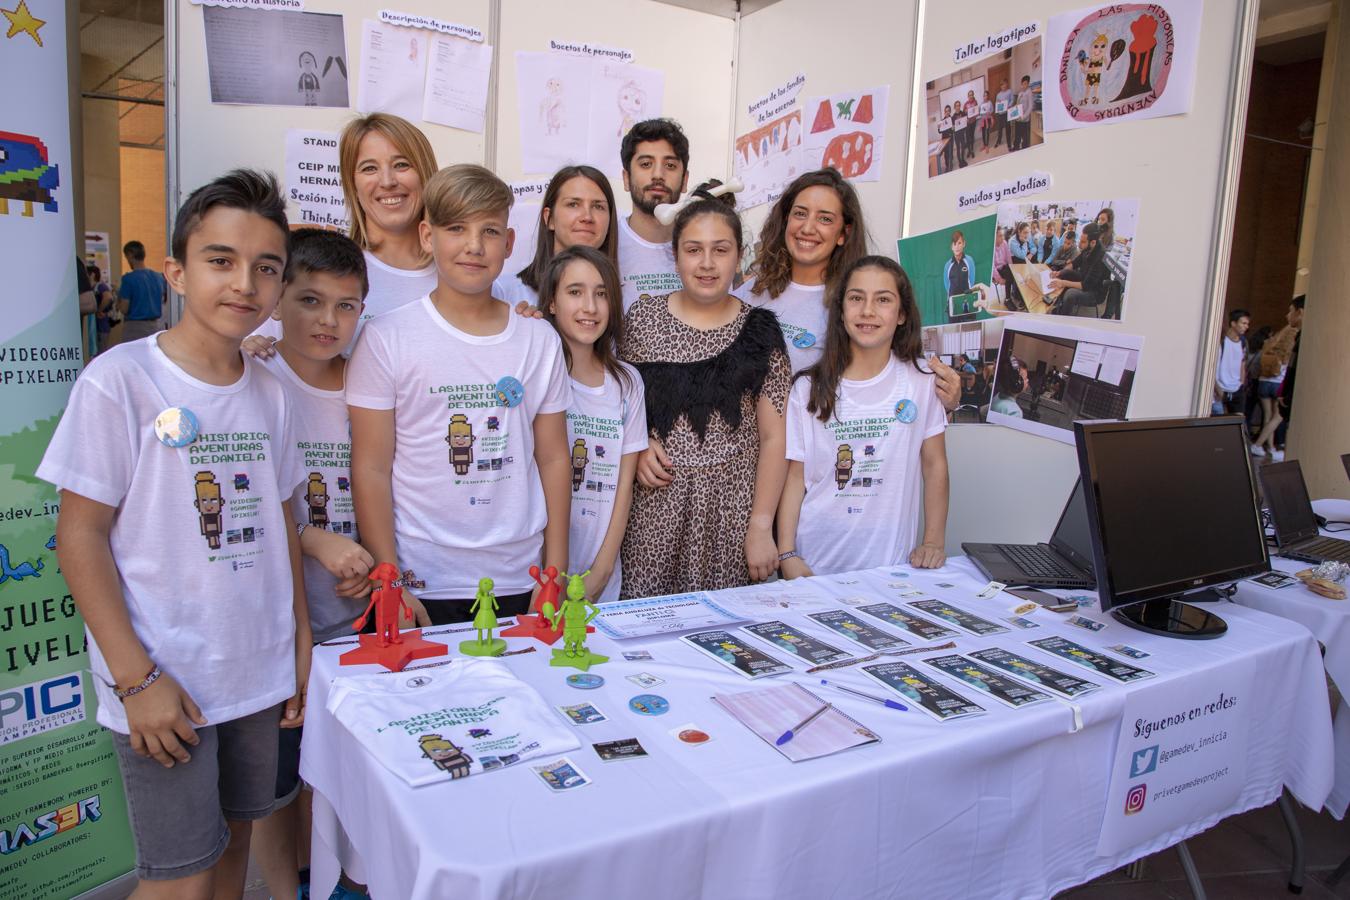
1009 804
1329 621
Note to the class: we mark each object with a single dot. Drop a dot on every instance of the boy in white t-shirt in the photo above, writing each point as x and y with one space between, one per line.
320 310
460 463
176 538
655 157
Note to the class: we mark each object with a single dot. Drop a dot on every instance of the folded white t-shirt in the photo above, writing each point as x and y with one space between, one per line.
446 721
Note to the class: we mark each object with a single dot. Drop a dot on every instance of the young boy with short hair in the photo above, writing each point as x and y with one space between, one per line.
460 464
176 538
319 312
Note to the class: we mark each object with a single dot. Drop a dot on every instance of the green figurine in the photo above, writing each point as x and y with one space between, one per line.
485 621
574 618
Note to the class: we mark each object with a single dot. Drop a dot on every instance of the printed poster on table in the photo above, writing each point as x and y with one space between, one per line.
63 815
846 131
1181 757
1121 61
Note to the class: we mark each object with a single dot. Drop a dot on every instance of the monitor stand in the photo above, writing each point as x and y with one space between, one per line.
1170 617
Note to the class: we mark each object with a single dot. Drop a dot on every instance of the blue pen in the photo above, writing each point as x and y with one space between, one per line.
792 732
884 701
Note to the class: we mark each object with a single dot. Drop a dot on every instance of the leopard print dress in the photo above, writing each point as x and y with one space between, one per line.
690 535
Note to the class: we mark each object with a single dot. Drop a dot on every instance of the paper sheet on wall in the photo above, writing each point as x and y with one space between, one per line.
1107 64
275 58
457 83
846 131
393 70
553 99
313 178
621 96
768 158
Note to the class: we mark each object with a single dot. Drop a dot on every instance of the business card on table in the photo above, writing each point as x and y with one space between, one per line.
582 713
637 655
561 775
991 590
1275 579
1085 622
1131 652
626 748
1021 622
645 679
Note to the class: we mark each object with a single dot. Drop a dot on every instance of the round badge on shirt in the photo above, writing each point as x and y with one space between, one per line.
907 411
649 705
510 392
585 682
804 341
177 427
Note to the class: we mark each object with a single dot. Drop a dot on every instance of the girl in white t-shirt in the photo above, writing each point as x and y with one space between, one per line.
813 233
607 421
864 428
577 211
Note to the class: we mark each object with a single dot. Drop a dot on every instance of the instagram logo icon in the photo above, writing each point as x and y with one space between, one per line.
1134 800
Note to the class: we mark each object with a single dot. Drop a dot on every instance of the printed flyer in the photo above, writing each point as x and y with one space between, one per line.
922 629
733 653
1051 679
1008 691
1091 659
847 624
934 699
798 643
960 618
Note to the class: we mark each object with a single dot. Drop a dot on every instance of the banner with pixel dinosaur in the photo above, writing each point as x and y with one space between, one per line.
63 823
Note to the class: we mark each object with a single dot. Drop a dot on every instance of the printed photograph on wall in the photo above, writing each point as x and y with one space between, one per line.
1064 257
275 58
986 110
1122 61
971 348
1049 373
950 271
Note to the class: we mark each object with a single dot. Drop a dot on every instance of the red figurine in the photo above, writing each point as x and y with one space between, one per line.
388 646
536 625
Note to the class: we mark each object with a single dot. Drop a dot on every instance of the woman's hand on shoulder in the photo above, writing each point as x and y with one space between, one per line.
525 310
259 346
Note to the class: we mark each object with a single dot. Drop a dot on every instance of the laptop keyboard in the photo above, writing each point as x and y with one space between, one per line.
1037 561
1323 548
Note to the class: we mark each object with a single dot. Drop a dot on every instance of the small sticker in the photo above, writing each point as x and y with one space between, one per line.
943 584
177 427
1083 601
561 775
906 410
804 340
582 714
625 748
645 679
1131 652
585 682
1084 622
637 655
510 392
1023 608
649 705
1021 622
1276 580
689 733
991 590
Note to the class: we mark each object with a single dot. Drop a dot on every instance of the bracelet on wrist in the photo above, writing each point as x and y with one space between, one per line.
150 678
791 554
300 528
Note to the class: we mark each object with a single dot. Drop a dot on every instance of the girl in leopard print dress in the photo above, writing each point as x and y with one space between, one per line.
717 377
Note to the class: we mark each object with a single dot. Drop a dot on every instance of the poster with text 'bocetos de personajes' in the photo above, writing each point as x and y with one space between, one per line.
1121 61
63 820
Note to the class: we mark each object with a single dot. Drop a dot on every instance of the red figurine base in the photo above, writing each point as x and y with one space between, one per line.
394 656
388 646
535 625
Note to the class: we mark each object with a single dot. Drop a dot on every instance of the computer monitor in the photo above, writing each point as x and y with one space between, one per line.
1172 508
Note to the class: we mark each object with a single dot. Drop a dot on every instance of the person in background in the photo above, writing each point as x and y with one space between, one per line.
1021 247
986 122
1285 401
1251 370
1275 357
1027 101
972 110
105 305
1085 282
948 137
1230 377
958 275
1002 127
1068 248
1008 383
143 292
655 158
1052 241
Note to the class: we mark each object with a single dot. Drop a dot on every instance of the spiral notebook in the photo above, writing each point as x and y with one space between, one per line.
769 712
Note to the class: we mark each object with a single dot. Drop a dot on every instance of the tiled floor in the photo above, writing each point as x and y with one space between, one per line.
1242 858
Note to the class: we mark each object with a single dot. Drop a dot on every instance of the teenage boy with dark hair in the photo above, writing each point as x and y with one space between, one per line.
1230 377
175 533
655 157
142 293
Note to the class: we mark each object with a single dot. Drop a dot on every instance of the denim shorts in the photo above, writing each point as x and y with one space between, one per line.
1267 390
179 815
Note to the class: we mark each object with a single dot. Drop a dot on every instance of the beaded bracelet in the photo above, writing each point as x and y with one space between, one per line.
149 679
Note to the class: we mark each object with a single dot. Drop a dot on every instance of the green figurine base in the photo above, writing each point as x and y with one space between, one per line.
583 660
490 647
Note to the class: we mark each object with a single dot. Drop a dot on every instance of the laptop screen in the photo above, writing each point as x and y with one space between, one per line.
1072 537
1287 498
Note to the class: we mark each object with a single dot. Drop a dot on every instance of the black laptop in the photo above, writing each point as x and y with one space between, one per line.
1065 562
1292 515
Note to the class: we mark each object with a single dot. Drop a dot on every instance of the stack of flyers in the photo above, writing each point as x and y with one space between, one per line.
1029 670
731 652
1091 659
922 629
958 617
798 643
1007 690
936 700
847 624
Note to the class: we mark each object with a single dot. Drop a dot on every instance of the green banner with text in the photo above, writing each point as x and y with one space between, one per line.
63 819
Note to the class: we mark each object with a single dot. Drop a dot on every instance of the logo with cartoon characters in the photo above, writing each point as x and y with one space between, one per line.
209 505
316 498
804 341
579 460
843 465
1095 83
25 175
906 411
461 441
510 392
445 755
